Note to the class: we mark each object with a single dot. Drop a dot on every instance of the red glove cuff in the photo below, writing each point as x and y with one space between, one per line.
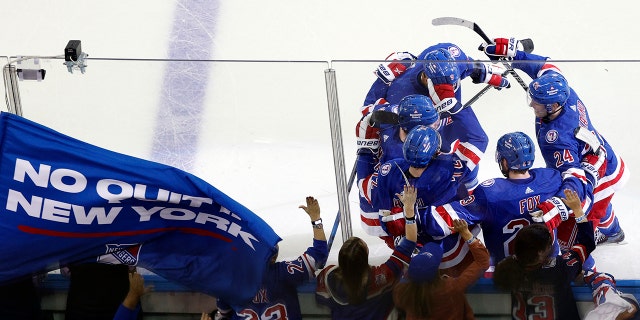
365 131
502 46
444 91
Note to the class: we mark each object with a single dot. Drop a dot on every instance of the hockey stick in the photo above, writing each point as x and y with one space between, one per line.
477 96
379 117
334 229
442 21
589 138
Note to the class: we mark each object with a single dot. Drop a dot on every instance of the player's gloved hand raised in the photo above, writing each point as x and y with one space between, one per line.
595 165
442 92
442 83
443 97
399 63
501 48
367 136
552 212
492 74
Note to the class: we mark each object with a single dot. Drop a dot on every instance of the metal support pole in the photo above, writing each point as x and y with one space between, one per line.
338 153
12 91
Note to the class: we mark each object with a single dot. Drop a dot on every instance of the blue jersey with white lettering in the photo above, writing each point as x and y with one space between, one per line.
502 207
556 139
438 184
277 297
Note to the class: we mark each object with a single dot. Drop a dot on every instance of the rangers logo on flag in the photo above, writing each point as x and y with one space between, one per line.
91 204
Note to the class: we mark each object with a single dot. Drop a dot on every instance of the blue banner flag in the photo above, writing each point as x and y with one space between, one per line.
63 201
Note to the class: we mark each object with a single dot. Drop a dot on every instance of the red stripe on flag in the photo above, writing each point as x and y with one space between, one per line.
66 234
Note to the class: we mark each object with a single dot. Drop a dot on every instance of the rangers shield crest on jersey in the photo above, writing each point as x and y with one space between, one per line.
551 136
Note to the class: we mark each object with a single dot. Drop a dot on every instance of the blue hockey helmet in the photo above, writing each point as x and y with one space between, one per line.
441 68
548 89
415 110
518 149
422 145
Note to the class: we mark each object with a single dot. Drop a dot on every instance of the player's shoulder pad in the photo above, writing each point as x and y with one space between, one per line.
454 49
547 174
441 168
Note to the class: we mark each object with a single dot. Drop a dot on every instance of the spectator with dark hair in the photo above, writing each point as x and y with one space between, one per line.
425 294
540 284
353 289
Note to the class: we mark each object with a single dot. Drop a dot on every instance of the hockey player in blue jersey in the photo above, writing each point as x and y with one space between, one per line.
277 297
436 175
559 112
437 73
540 285
503 206
384 142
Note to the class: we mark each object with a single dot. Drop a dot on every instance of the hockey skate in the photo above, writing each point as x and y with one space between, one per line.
601 238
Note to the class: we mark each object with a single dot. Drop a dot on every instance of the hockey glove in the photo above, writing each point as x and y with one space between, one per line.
501 48
393 221
443 96
552 212
594 166
400 62
442 89
367 136
364 110
492 74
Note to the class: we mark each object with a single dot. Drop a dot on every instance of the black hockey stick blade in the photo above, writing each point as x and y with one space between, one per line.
442 21
379 117
527 45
